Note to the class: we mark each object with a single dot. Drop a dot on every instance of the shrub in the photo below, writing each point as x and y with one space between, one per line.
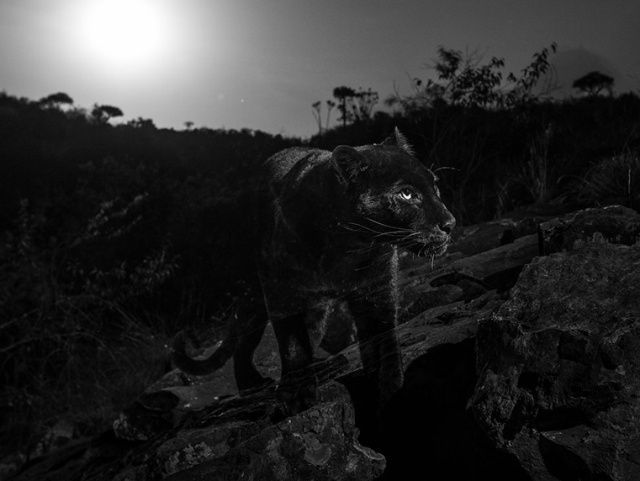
613 180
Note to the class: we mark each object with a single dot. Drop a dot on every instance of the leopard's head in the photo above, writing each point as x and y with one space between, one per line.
393 197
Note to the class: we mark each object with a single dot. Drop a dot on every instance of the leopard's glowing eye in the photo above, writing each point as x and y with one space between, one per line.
406 194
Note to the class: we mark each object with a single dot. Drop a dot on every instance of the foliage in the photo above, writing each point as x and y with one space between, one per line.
112 239
56 100
141 123
353 105
593 83
467 82
492 160
613 180
317 114
69 331
104 113
365 101
344 95
521 90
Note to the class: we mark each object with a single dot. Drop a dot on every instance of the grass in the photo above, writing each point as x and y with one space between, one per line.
80 379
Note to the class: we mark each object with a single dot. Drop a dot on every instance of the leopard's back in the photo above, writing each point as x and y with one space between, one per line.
291 165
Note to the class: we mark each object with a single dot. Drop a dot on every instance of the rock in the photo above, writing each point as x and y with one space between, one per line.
9 465
478 238
426 286
559 365
238 438
615 223
319 443
149 415
144 419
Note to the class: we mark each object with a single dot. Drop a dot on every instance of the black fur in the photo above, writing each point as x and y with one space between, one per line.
337 221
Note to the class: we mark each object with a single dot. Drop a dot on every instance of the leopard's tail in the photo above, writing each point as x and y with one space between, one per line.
200 367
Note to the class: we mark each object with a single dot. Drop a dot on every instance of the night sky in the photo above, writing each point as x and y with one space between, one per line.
261 64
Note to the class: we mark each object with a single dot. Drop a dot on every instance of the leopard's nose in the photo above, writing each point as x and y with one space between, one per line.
448 224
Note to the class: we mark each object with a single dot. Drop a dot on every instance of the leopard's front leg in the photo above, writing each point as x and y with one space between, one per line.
298 386
375 311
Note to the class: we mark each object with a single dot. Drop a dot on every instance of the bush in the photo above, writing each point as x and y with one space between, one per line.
614 180
70 343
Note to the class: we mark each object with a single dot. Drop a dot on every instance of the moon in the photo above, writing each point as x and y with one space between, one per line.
122 36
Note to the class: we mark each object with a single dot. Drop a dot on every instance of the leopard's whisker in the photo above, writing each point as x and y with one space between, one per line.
393 233
387 225
362 228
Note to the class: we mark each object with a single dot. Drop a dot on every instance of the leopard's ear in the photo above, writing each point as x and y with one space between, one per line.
402 142
399 140
348 163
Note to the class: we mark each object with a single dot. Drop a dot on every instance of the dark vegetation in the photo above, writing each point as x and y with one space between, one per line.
113 237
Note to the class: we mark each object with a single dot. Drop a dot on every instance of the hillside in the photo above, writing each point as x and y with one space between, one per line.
116 236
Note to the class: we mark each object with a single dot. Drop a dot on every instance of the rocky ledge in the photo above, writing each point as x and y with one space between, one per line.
559 366
522 357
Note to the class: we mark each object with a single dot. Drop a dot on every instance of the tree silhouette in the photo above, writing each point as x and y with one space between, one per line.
104 113
141 123
330 106
317 107
593 83
345 96
55 100
365 100
521 91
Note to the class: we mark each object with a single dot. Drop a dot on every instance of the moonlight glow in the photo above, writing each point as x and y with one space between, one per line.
127 37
